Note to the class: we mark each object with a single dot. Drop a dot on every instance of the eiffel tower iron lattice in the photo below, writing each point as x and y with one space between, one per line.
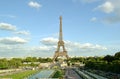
59 53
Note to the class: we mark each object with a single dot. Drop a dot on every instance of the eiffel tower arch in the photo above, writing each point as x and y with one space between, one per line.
60 44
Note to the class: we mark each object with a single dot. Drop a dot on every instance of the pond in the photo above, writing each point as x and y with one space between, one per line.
42 74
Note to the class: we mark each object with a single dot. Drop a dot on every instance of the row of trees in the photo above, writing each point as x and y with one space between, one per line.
13 63
108 63
35 59
17 62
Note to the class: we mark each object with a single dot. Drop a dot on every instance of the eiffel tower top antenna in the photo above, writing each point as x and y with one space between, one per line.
60 32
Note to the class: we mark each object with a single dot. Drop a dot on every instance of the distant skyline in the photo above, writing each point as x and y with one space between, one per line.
30 27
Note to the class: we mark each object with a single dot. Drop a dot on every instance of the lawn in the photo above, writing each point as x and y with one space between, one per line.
20 75
58 74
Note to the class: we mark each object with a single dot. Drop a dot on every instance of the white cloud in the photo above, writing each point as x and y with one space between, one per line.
20 50
116 17
10 27
47 49
41 48
9 16
12 40
71 45
14 50
89 1
106 7
111 7
34 4
49 41
111 19
75 48
23 32
85 1
2 47
85 46
93 19
6 26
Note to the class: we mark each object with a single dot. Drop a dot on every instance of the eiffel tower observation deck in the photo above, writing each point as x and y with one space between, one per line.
58 52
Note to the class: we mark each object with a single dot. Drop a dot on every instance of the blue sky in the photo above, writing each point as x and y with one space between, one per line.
30 27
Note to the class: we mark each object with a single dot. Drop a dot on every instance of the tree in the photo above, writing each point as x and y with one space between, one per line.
108 58
3 63
15 62
28 59
117 55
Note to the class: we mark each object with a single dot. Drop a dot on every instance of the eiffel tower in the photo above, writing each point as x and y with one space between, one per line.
59 53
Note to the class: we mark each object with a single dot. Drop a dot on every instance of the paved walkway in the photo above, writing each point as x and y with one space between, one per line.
10 71
71 74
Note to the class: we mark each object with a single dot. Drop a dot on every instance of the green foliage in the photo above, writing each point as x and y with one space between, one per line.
17 62
13 63
44 60
117 55
30 59
58 74
108 63
3 63
33 65
77 59
108 58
